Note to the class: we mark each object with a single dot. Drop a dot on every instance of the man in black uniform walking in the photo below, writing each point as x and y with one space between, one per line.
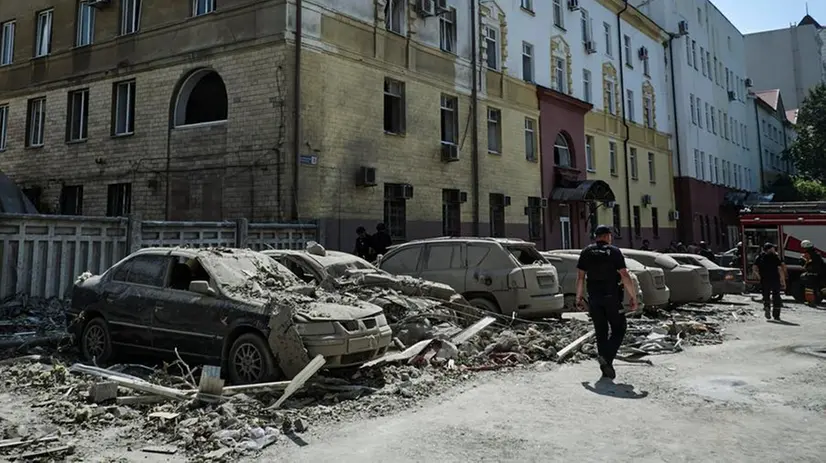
604 266
771 271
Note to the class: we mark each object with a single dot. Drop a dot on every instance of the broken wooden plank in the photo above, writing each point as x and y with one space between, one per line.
407 354
259 387
300 379
46 452
574 346
472 330
161 449
17 442
130 382
211 382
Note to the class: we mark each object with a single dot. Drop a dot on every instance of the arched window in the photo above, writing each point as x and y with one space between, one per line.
201 98
562 154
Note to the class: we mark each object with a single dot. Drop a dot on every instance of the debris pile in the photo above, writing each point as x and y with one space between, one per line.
27 322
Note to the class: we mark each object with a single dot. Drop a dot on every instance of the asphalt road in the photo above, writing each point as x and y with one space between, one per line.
759 397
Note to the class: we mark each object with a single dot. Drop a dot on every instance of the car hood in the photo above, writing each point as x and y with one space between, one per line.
329 311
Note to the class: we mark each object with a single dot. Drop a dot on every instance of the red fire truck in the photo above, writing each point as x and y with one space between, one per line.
787 225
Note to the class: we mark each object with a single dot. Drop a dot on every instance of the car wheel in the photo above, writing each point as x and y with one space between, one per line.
95 342
484 304
250 360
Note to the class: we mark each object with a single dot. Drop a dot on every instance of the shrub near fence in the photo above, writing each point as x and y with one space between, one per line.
42 255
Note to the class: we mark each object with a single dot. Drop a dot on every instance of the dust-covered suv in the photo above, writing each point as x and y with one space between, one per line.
508 276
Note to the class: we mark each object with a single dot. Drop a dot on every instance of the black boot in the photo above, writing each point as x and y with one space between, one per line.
606 368
776 314
767 312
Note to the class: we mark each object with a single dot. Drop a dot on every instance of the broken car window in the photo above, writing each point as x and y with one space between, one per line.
184 271
148 270
122 272
476 253
526 255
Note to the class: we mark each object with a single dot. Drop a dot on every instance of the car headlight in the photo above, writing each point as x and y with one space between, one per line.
381 320
315 328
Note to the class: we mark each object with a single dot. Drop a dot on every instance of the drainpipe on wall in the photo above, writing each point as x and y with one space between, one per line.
299 32
677 150
474 130
167 210
759 146
627 127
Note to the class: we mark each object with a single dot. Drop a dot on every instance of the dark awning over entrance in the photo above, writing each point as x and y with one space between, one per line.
12 199
586 190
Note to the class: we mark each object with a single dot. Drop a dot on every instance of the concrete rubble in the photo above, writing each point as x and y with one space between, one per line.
441 342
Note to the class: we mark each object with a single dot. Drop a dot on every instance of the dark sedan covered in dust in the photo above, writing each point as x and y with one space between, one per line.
214 304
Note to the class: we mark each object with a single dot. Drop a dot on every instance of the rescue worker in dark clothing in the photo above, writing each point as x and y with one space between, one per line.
603 265
772 273
706 252
363 245
646 245
815 272
381 240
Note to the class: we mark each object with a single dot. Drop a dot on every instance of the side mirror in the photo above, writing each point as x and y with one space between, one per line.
201 287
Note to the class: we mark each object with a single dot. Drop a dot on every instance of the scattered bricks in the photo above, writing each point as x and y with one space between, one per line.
103 392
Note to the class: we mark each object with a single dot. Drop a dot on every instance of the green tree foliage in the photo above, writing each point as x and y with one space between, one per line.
788 189
808 152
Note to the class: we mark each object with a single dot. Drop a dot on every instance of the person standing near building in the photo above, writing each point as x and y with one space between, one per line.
604 266
771 272
706 252
814 266
381 240
363 245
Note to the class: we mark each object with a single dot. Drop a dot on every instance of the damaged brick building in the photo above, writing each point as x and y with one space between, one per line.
186 111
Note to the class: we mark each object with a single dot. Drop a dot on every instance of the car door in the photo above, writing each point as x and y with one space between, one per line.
405 261
190 322
445 263
131 295
566 272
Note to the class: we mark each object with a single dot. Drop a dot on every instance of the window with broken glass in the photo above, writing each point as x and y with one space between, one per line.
451 213
394 16
394 108
71 200
77 118
395 213
450 119
447 30
497 215
119 200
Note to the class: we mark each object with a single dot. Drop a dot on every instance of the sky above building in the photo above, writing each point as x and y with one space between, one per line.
751 16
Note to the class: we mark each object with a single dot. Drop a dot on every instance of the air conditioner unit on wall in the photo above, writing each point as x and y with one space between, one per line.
731 95
450 152
366 176
426 8
683 28
442 6
673 215
748 82
590 47
406 191
573 5
646 200
643 53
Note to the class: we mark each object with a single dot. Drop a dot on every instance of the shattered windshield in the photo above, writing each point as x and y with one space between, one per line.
526 255
338 265
247 272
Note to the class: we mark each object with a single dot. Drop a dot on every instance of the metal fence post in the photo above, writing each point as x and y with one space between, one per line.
242 230
134 233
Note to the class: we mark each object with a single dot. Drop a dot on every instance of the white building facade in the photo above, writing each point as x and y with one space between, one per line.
714 118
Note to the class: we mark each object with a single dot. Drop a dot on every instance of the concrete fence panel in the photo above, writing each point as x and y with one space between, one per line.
42 255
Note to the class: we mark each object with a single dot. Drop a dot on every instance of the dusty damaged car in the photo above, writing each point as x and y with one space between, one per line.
652 293
723 280
403 298
507 276
229 307
688 283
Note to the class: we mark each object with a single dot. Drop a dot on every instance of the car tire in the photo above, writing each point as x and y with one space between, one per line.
251 361
485 304
96 342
